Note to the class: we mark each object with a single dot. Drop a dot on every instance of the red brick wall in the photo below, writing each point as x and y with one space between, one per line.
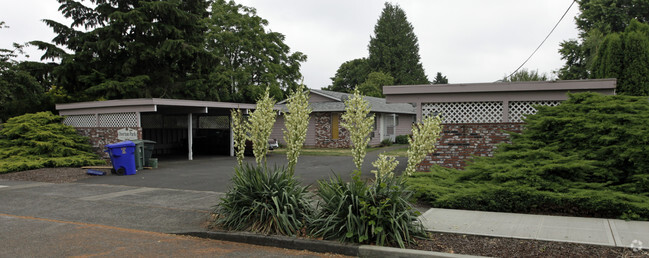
100 136
459 142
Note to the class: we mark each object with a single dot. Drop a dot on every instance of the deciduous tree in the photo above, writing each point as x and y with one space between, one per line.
373 86
349 75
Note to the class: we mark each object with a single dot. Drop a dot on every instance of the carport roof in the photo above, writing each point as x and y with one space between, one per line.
146 105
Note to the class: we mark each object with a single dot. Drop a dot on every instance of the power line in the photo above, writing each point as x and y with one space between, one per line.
546 37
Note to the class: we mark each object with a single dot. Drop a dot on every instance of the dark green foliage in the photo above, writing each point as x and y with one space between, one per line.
377 213
439 79
625 56
588 156
248 58
126 49
386 142
394 48
40 140
457 190
401 139
349 75
373 86
525 75
610 15
264 201
22 84
190 49
393 58
597 19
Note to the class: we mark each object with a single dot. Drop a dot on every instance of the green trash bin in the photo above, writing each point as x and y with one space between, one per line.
139 154
148 151
143 152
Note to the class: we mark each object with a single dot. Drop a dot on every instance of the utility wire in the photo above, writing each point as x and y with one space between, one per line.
546 37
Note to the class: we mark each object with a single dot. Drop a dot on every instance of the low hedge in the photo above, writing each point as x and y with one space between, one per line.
449 192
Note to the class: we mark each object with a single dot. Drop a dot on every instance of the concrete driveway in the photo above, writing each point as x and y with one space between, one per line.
214 173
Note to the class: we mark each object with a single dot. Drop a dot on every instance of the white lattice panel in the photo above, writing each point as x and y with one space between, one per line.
214 122
118 120
81 120
518 109
465 112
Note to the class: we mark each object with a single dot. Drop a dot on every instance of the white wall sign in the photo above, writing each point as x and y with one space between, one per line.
125 134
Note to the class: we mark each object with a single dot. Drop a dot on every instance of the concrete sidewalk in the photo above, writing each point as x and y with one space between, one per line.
609 232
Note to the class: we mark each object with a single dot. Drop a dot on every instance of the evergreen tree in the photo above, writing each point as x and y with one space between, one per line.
625 56
394 49
168 49
439 79
597 19
130 49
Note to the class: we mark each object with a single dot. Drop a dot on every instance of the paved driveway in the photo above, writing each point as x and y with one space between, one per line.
214 173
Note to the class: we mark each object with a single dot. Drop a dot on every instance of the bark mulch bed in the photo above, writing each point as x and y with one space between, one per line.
50 175
510 247
439 242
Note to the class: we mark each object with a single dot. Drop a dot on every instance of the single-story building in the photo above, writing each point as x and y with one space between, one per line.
180 127
477 116
325 131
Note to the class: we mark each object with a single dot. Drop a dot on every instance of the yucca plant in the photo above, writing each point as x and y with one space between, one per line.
264 201
377 213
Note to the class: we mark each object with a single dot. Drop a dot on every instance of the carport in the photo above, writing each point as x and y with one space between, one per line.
178 126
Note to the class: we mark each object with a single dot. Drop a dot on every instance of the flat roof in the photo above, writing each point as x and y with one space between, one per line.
559 85
146 105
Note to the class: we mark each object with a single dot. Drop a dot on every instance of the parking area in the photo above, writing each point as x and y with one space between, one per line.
206 173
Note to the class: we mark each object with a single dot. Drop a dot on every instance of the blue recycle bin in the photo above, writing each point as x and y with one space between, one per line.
122 156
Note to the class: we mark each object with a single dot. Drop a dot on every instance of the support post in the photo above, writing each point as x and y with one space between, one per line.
231 138
190 136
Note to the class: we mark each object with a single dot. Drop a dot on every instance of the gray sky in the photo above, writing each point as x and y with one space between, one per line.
468 41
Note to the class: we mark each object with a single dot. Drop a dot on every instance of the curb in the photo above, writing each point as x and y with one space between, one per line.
320 246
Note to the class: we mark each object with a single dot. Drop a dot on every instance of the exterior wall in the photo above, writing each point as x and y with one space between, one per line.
277 130
100 136
459 142
405 124
322 122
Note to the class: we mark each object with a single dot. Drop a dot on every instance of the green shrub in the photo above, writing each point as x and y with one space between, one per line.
264 201
386 142
401 139
377 213
448 188
40 140
588 156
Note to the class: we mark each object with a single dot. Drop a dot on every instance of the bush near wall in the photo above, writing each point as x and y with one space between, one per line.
40 140
586 157
401 139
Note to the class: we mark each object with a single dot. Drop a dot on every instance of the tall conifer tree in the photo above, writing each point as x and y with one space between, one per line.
394 48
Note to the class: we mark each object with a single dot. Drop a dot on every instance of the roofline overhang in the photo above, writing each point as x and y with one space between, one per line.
560 85
144 105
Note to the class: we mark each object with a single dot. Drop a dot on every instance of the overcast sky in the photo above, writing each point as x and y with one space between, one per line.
468 41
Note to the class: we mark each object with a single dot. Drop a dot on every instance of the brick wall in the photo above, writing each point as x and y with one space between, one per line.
323 132
100 136
459 142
